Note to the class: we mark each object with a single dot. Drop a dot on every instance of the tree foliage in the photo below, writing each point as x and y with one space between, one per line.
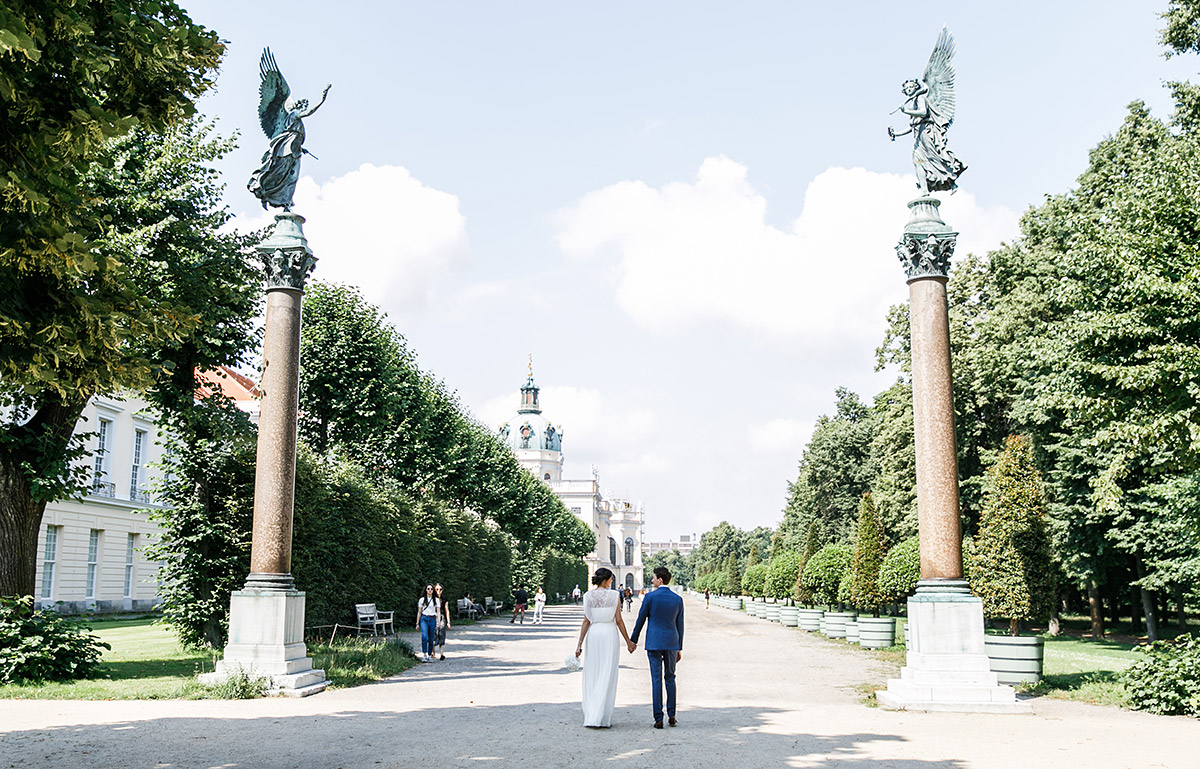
869 550
900 571
782 573
822 575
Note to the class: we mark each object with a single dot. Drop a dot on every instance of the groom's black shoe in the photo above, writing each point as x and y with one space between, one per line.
658 724
671 721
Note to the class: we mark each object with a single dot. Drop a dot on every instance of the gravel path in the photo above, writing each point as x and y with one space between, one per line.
751 692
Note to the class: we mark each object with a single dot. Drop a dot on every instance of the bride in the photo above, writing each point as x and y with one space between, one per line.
601 623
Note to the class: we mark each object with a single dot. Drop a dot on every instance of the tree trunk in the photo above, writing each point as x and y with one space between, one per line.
1093 591
38 449
1055 608
1180 608
1014 626
1135 600
1147 603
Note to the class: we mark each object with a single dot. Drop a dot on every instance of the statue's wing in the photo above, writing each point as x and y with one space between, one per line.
273 93
939 79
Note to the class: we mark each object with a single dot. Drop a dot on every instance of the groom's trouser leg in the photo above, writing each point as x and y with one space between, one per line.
656 681
668 674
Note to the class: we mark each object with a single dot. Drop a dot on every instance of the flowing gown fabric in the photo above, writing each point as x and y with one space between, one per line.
601 654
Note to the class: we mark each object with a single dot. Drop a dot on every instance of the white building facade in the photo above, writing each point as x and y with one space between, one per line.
91 550
617 523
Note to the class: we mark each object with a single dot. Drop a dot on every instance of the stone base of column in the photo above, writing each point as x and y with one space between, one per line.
266 638
947 666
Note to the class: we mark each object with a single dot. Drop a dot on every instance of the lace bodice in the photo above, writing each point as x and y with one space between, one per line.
600 605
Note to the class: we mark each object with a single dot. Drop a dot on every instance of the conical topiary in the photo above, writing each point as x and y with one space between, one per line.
1013 573
801 592
733 576
869 550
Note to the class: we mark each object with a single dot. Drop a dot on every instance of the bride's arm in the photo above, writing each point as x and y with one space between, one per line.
582 632
621 627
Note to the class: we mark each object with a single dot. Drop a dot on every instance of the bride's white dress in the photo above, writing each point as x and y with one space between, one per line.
601 654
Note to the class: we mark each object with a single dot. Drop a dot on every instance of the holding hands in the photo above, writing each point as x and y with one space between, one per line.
631 646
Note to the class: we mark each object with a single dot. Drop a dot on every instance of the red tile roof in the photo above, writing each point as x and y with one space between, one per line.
237 387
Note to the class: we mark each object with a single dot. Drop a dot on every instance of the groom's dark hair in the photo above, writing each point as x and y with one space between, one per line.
663 573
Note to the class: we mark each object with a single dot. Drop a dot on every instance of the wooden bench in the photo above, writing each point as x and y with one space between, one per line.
466 607
377 621
492 606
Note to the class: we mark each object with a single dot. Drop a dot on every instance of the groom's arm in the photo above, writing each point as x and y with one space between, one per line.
679 625
641 620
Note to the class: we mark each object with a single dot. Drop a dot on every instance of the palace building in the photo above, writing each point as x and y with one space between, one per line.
617 523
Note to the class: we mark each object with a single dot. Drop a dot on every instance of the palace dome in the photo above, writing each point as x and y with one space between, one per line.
529 430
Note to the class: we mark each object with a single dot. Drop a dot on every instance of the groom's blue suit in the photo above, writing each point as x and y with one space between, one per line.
663 609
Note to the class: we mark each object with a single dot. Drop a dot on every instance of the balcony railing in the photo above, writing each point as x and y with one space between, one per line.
139 494
104 489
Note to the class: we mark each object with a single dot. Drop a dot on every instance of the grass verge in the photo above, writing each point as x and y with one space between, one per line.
146 662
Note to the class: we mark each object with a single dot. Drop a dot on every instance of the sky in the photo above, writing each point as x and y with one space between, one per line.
684 211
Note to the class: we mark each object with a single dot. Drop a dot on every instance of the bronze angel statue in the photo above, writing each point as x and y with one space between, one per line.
929 104
274 183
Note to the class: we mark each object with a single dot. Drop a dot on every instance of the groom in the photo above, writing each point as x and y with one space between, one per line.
664 641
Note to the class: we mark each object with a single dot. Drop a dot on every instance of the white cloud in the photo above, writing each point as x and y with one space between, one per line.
694 253
781 435
381 229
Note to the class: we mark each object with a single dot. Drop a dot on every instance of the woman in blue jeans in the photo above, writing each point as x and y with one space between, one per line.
428 607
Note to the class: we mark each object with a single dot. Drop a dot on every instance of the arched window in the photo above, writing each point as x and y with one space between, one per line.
629 580
629 551
612 551
546 477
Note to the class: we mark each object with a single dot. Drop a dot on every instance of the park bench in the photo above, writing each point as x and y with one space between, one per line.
467 608
377 621
492 606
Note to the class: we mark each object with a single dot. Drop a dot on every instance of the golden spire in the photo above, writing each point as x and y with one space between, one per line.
531 365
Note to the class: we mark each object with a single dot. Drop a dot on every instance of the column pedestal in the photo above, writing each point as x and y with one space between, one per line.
947 667
266 638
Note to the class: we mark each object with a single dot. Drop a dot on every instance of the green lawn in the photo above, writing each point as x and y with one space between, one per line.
147 663
1085 670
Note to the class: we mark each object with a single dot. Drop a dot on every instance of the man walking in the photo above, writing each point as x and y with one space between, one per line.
662 609
520 603
577 594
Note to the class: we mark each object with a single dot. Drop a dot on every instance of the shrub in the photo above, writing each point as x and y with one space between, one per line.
733 577
900 571
801 592
238 685
869 547
824 571
782 573
1167 678
754 579
1013 568
40 645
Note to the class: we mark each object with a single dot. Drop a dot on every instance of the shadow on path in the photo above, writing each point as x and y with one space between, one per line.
531 735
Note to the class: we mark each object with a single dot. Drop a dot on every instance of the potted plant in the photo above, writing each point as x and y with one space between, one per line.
899 573
822 577
869 548
1013 572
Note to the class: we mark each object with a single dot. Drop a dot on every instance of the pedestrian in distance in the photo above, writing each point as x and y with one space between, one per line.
520 604
706 598
662 614
539 606
443 623
428 607
577 594
628 598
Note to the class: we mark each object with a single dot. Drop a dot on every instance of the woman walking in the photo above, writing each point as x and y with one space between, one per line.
443 624
428 607
539 605
602 628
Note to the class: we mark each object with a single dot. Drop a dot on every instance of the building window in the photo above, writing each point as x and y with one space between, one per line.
628 551
49 559
130 543
546 477
577 511
100 483
92 562
612 551
136 494
629 580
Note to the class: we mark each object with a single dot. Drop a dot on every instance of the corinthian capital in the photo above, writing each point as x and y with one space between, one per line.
926 255
287 268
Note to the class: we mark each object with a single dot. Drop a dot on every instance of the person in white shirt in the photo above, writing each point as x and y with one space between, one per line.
576 594
428 608
539 605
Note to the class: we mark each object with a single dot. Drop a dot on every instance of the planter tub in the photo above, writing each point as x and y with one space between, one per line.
771 612
788 616
851 627
809 619
1015 659
835 623
876 632
752 608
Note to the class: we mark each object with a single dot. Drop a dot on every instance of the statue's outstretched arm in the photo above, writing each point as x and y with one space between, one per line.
317 106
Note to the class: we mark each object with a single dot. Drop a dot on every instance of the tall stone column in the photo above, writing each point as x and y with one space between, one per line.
947 667
266 617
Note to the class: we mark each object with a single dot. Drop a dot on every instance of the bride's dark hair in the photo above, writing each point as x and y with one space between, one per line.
601 575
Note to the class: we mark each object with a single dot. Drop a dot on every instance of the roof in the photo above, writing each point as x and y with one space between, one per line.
237 387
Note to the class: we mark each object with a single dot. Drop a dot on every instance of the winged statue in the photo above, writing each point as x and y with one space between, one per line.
929 104
274 183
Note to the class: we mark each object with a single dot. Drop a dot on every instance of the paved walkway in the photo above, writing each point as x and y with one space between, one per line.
752 694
